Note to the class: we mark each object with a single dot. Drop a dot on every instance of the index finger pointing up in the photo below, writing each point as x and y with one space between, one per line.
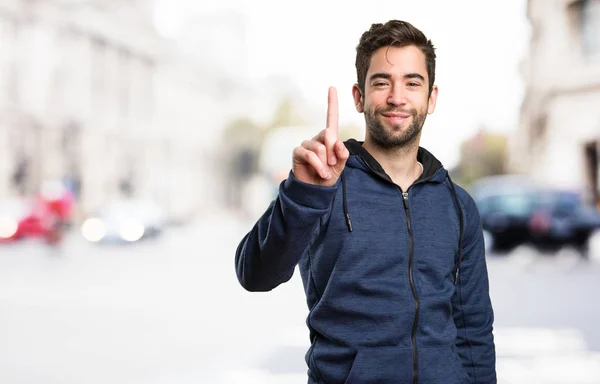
332 110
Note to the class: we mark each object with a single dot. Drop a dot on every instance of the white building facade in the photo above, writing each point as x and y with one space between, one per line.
558 140
91 94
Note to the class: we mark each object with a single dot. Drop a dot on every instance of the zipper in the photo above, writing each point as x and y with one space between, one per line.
411 252
411 281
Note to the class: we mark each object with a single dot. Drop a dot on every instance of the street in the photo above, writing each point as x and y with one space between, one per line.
171 311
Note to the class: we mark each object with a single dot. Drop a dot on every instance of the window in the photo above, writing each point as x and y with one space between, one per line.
98 76
8 60
125 74
590 27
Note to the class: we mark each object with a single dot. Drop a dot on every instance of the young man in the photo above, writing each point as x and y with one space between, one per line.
391 252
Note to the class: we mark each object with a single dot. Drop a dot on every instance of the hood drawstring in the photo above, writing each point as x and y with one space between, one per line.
345 203
460 236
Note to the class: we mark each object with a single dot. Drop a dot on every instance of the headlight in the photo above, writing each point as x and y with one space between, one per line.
8 227
93 230
131 230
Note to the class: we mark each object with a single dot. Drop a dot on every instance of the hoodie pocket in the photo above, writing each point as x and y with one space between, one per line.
381 365
329 363
441 365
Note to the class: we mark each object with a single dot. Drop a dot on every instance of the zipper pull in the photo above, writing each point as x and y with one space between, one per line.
405 199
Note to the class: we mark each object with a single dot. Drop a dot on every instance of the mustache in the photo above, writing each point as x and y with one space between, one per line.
412 112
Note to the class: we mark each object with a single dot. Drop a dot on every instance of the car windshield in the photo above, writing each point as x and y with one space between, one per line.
517 204
561 201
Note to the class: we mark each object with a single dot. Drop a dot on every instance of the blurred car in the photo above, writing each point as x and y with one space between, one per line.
515 210
124 221
561 217
24 218
46 215
506 205
55 197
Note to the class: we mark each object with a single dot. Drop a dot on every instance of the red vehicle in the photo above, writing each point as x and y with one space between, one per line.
46 216
17 220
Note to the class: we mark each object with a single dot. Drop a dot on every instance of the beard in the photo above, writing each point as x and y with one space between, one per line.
394 136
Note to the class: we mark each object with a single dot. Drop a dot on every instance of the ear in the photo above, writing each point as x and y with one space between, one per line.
358 98
432 100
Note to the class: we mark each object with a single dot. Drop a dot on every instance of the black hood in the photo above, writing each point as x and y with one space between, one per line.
430 163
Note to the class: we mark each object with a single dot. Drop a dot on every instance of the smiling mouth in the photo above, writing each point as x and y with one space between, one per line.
396 118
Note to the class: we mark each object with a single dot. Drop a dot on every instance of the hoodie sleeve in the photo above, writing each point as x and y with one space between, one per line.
267 255
473 313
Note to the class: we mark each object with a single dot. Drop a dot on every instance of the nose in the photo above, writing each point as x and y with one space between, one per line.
397 96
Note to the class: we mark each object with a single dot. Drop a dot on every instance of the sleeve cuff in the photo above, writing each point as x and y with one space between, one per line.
308 195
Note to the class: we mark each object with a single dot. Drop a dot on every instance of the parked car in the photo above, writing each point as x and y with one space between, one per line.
124 221
561 217
506 205
25 218
515 210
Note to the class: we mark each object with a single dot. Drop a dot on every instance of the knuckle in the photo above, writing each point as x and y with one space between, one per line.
297 152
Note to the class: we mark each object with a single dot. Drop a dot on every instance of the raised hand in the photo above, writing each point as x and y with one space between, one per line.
321 160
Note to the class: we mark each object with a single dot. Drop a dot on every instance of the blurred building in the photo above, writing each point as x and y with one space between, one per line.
558 140
210 53
92 95
76 99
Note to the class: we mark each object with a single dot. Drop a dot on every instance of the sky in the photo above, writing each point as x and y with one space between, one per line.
479 46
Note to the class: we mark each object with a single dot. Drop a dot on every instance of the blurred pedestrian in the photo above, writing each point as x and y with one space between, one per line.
390 250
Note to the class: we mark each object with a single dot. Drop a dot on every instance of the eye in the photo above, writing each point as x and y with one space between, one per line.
380 84
413 84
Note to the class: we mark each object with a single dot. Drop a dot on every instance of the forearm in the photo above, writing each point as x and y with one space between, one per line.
268 254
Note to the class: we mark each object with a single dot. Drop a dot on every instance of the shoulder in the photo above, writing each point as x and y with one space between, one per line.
467 201
470 212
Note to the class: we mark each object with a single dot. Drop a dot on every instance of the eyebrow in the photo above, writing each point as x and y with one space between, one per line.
387 76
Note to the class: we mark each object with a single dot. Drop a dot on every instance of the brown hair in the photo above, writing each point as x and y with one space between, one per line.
394 33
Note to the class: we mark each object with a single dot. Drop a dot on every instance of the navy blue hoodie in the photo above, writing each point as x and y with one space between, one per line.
396 282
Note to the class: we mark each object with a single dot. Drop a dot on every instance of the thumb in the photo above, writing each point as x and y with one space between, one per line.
342 155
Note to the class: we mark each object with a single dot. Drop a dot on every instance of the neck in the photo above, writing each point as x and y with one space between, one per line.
400 163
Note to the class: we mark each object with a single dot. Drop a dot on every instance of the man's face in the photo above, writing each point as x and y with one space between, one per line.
396 99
